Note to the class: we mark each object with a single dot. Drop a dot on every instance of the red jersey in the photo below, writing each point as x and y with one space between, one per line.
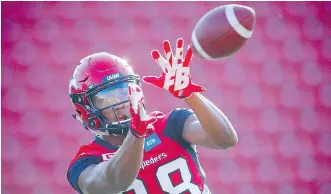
170 164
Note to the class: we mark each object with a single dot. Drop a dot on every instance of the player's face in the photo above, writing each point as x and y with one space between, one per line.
112 96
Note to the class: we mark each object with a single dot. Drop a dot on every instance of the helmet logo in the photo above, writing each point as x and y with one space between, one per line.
113 76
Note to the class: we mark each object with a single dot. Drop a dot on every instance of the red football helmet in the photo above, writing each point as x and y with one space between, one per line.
99 93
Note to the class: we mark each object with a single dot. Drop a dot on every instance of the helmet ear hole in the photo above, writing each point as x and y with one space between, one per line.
80 113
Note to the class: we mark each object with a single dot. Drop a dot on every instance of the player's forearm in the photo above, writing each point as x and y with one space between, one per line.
213 121
124 166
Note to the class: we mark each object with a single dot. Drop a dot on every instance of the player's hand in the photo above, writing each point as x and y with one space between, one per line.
141 123
176 76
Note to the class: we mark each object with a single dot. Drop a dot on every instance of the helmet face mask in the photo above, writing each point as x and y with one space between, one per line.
113 101
99 93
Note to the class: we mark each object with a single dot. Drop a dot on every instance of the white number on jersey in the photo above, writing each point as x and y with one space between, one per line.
163 176
167 186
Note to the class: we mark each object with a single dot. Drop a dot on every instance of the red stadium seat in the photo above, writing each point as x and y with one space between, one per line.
276 90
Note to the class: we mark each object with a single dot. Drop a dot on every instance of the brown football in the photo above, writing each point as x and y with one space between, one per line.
223 31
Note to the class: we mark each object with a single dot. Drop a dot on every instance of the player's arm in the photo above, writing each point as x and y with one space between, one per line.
121 170
208 127
118 173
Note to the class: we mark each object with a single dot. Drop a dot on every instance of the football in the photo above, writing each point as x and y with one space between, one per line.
223 31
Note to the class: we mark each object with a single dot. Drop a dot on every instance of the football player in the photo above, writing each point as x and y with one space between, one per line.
135 152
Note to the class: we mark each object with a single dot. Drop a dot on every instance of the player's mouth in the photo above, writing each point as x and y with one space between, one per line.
122 117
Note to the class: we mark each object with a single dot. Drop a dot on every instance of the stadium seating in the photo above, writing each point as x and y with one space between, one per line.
276 91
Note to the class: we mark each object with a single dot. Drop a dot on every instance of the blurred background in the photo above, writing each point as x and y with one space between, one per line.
276 90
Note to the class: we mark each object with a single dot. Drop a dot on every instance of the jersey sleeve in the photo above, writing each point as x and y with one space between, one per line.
77 167
175 124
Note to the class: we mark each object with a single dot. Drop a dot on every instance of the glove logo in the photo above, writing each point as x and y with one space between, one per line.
175 67
179 77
